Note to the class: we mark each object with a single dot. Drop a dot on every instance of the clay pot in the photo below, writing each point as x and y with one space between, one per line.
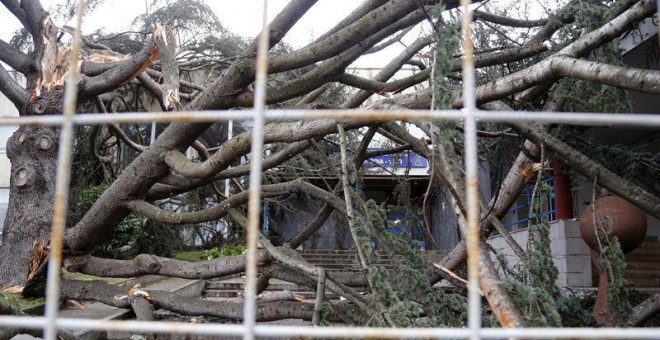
628 222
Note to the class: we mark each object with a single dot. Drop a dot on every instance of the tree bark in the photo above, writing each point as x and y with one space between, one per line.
33 154
110 295
645 310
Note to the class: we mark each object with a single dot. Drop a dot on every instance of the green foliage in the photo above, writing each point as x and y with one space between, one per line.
157 239
405 302
587 96
234 250
122 235
9 302
575 312
535 292
542 271
184 14
618 299
326 313
446 46
642 168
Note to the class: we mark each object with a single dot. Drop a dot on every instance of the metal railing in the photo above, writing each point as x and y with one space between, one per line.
249 329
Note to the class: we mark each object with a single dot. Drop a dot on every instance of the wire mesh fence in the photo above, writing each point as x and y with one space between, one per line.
469 116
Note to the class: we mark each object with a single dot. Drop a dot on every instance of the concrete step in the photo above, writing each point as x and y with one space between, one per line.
635 282
641 265
637 273
649 251
630 258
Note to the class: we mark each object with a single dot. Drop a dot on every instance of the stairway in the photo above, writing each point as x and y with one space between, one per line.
347 260
343 264
233 288
643 266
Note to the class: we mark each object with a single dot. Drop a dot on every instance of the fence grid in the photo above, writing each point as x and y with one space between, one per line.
470 115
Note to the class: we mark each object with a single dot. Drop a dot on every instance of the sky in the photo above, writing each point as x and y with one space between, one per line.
241 17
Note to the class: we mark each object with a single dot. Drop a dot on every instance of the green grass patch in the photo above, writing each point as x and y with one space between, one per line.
191 255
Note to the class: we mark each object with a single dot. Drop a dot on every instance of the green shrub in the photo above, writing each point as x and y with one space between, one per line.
214 253
125 233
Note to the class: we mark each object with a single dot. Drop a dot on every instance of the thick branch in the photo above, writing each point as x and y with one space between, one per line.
160 191
16 59
146 264
116 296
590 169
14 92
156 214
482 60
506 21
642 80
120 73
348 36
334 66
28 12
166 40
240 145
645 310
135 181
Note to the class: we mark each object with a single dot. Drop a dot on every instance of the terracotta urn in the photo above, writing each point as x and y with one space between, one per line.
627 222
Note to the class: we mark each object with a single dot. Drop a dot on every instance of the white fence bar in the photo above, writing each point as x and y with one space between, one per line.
571 118
64 155
254 201
471 174
331 332
249 329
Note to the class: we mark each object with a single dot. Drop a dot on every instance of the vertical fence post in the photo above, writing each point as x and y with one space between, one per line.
471 173
62 184
249 305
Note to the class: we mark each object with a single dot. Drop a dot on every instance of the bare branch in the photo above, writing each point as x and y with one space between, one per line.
389 70
116 296
166 41
16 59
14 92
645 310
120 73
156 214
642 80
363 28
590 169
506 21
15 8
147 264
239 145
153 87
293 149
389 42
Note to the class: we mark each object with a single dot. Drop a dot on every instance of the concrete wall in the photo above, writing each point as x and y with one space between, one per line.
569 252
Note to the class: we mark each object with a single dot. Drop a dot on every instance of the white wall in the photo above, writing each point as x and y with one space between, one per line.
569 252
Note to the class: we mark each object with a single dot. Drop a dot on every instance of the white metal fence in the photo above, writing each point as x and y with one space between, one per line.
249 329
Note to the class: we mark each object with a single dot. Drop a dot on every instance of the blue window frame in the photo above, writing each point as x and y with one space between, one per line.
521 209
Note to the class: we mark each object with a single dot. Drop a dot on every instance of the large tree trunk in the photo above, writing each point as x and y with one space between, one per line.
33 155
33 150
